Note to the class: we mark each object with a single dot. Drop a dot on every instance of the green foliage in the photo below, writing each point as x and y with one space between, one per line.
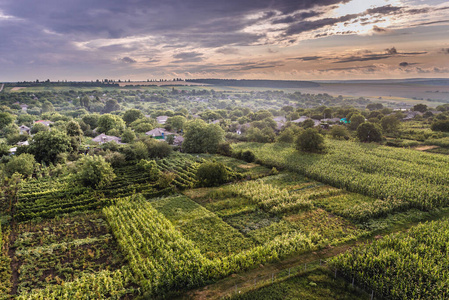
309 123
212 174
310 141
288 134
355 121
339 132
248 156
38 127
93 171
73 129
47 145
91 120
128 136
157 149
131 115
201 137
441 125
407 265
420 107
390 123
177 123
412 176
149 167
107 122
23 164
369 132
5 119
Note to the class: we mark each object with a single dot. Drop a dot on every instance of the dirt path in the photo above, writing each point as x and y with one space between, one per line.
1 87
424 148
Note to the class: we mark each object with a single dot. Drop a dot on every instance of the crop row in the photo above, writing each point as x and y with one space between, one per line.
408 265
377 171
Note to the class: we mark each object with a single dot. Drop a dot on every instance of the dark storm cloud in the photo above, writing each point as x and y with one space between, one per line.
371 68
227 50
379 29
404 64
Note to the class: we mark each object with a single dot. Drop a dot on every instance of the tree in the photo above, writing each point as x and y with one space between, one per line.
310 141
288 134
375 106
38 127
389 123
201 137
47 107
176 122
73 129
111 105
128 136
46 145
339 132
441 125
212 174
355 121
309 123
5 119
157 149
91 120
149 167
107 122
369 132
93 171
23 164
131 115
420 107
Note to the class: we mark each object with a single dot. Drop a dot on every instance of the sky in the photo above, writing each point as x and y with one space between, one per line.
241 39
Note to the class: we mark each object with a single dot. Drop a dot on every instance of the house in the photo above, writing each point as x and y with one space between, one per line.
301 119
162 119
103 138
24 107
332 120
159 133
24 129
178 141
45 122
411 115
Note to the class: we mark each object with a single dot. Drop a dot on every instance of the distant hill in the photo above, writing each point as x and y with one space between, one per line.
422 81
257 83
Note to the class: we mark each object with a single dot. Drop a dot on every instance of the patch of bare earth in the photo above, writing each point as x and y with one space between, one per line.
425 148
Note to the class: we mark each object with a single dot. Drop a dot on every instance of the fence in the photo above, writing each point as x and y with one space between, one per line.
290 272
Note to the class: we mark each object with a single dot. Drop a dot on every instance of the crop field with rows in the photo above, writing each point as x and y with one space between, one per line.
401 177
407 265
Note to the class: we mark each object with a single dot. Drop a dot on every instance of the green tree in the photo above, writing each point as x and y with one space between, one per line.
339 132
91 120
5 119
93 171
420 107
46 145
309 123
176 122
38 127
47 106
107 122
310 141
131 115
111 105
212 174
441 125
128 136
288 134
201 137
73 128
23 164
369 132
149 167
390 123
356 120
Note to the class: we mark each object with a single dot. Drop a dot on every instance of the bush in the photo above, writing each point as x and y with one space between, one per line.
23 164
224 149
248 156
93 171
339 132
442 125
149 167
369 132
310 141
212 174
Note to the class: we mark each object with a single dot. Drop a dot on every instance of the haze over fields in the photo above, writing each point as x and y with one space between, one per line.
256 39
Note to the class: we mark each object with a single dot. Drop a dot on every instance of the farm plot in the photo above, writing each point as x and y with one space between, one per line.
5 265
63 250
407 265
420 179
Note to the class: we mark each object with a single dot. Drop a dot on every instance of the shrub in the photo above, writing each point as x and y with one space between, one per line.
369 132
212 174
310 141
94 171
248 156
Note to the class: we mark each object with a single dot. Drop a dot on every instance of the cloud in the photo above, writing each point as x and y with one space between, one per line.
128 60
368 56
307 58
379 29
188 57
404 64
445 50
391 51
228 50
